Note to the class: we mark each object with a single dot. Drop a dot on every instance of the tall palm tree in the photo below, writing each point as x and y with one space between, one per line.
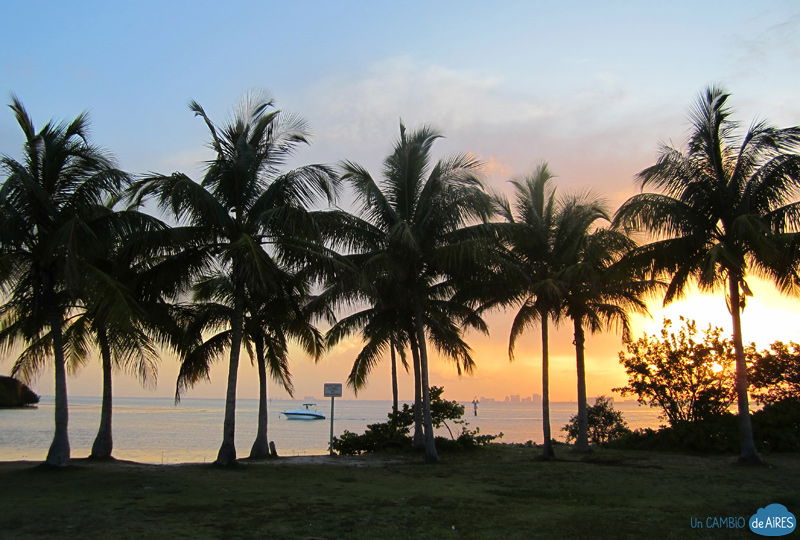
379 323
51 222
601 289
269 324
412 224
247 215
127 336
537 236
727 207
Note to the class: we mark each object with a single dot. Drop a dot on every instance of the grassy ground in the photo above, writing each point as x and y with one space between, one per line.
498 492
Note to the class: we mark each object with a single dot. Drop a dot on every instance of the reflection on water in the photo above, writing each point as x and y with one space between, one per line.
153 430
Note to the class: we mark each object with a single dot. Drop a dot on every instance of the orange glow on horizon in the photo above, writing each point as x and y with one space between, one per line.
769 316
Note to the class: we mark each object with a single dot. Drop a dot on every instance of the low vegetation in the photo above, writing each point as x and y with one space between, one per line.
394 434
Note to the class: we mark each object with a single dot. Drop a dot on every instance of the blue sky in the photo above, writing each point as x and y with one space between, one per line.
591 87
546 74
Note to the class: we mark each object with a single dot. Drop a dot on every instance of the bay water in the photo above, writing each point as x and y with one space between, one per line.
155 430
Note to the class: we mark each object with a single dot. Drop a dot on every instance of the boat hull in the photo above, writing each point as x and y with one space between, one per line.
305 415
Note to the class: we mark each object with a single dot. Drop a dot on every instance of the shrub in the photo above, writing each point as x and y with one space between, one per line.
688 375
776 428
605 423
394 434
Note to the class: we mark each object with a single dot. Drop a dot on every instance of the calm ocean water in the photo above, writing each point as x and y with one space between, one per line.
154 430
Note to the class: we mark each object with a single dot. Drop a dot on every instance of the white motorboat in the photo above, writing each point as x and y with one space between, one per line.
306 413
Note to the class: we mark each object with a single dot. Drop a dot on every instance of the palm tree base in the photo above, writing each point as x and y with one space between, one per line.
260 449
102 448
107 459
226 456
547 453
751 461
58 455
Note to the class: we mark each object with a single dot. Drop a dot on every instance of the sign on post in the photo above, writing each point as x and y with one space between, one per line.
332 390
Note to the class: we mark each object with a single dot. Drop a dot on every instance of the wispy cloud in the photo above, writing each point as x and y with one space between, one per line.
597 133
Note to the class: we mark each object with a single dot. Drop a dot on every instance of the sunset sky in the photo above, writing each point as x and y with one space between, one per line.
590 87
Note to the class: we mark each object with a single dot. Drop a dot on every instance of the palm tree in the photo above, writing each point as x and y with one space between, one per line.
243 204
537 236
51 224
411 226
727 206
601 288
380 323
268 325
127 329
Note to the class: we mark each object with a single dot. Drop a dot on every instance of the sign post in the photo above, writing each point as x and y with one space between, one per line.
332 390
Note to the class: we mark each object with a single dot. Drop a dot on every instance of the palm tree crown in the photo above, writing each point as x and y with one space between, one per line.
727 206
411 245
53 227
247 218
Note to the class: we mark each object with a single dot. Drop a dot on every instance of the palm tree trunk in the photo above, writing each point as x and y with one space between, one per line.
260 447
431 456
582 443
227 451
547 447
103 442
749 454
394 378
58 454
418 441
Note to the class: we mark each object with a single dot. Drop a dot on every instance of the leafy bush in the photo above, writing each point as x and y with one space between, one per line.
394 434
776 428
377 437
775 373
688 375
605 423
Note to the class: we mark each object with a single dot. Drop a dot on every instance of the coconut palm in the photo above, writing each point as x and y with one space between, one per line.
269 324
141 319
358 281
412 225
601 289
246 216
537 237
51 225
727 207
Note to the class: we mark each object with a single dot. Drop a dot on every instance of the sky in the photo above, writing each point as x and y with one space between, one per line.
592 88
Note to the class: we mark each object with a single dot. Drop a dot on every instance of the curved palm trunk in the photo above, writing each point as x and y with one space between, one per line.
418 441
431 456
394 378
260 447
227 451
582 443
547 447
103 442
58 454
749 454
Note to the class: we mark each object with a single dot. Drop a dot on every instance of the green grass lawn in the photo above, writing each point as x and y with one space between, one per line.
497 492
